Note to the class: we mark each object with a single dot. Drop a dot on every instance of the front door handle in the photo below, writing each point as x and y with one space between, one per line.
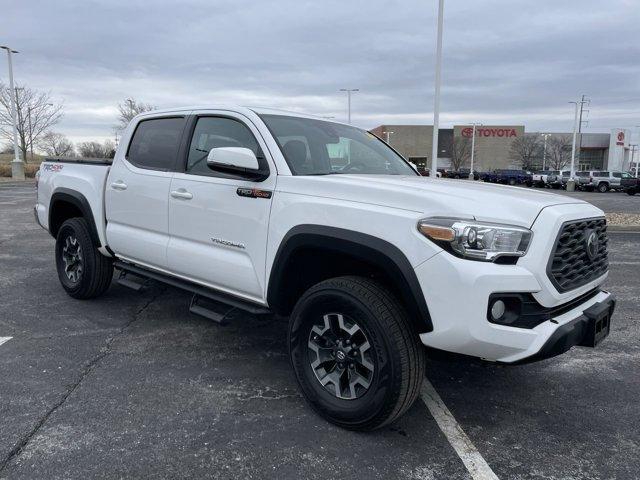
119 185
182 194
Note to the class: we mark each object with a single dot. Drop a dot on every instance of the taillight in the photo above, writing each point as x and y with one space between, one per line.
37 177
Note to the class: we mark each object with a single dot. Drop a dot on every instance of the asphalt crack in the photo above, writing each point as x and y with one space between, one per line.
104 351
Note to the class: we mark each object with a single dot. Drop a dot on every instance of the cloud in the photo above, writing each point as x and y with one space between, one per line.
504 62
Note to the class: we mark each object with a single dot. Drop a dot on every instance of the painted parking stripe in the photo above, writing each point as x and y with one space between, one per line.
4 339
468 453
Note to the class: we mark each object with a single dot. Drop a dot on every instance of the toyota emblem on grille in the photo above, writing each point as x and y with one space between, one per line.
591 238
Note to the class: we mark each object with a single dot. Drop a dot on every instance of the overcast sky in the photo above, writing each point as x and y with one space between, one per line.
505 62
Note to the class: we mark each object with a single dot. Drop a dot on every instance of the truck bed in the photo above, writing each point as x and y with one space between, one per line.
84 179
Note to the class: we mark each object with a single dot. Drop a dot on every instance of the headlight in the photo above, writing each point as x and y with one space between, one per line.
476 240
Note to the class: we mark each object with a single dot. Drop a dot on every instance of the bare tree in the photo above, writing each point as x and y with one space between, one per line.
35 114
460 152
56 145
129 109
526 151
107 149
559 151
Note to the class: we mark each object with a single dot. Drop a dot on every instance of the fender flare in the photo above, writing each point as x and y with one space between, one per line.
362 246
78 200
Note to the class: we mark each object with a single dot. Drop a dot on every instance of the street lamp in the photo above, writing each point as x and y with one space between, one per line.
436 98
387 133
633 154
473 147
571 183
17 166
544 151
349 91
637 161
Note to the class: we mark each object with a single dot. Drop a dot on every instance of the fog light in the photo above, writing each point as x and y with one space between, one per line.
497 310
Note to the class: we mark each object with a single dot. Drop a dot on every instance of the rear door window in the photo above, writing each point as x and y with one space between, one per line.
155 143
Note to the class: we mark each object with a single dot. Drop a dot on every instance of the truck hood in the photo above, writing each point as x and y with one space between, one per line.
433 197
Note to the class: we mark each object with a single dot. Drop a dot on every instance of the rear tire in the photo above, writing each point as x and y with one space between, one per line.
603 187
364 389
83 271
512 181
631 191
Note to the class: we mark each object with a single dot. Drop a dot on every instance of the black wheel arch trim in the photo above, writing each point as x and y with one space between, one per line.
362 246
78 200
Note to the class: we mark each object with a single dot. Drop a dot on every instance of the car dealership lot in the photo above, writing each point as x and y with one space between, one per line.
132 385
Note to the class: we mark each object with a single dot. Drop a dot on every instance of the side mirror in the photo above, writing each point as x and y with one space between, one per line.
236 160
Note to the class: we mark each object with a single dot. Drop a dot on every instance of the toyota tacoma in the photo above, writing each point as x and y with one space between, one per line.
277 212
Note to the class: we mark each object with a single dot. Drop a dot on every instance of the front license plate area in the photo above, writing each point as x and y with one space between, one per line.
599 324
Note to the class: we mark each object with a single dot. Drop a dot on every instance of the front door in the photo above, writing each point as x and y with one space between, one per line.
137 192
218 222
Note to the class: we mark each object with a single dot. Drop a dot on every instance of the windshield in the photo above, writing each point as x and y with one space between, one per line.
316 147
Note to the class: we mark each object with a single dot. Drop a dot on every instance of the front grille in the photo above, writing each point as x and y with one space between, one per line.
571 265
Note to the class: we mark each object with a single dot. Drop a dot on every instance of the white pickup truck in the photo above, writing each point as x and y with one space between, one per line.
272 211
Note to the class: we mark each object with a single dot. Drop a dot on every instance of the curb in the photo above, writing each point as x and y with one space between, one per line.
623 228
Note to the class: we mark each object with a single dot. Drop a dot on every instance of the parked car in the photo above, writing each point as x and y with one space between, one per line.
543 178
462 173
561 177
490 177
584 180
241 207
604 181
514 177
630 184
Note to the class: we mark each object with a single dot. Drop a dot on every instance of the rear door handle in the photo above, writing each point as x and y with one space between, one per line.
181 193
119 185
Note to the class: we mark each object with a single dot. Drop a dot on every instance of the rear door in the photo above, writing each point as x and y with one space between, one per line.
137 192
218 222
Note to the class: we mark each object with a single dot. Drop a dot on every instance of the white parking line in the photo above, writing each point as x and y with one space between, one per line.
468 453
4 339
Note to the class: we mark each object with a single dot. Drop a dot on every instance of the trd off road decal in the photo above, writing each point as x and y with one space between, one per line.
253 192
55 167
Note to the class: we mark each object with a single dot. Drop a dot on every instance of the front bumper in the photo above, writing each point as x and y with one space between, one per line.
587 330
457 294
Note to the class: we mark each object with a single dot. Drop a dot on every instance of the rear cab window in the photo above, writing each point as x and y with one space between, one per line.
155 143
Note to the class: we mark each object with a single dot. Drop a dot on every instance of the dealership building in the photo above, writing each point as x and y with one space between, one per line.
597 151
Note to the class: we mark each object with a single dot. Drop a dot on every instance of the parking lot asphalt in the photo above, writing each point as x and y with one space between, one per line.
131 385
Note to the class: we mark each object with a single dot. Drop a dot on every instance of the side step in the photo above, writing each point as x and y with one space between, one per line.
207 309
130 281
204 299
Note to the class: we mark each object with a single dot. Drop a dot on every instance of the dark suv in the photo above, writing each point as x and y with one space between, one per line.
514 177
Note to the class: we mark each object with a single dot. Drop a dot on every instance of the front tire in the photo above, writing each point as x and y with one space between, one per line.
356 356
603 187
83 271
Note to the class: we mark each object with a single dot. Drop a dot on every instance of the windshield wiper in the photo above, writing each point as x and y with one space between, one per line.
324 173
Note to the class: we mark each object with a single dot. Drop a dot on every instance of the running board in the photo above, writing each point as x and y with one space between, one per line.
126 280
198 290
198 306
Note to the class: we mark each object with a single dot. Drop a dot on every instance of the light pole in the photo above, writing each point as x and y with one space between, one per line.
633 154
473 148
544 151
436 98
17 166
387 133
349 91
571 183
638 161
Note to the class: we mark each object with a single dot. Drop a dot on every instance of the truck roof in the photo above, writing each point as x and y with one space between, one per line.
239 109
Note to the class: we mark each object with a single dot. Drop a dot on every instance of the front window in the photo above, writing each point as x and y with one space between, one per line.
316 147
